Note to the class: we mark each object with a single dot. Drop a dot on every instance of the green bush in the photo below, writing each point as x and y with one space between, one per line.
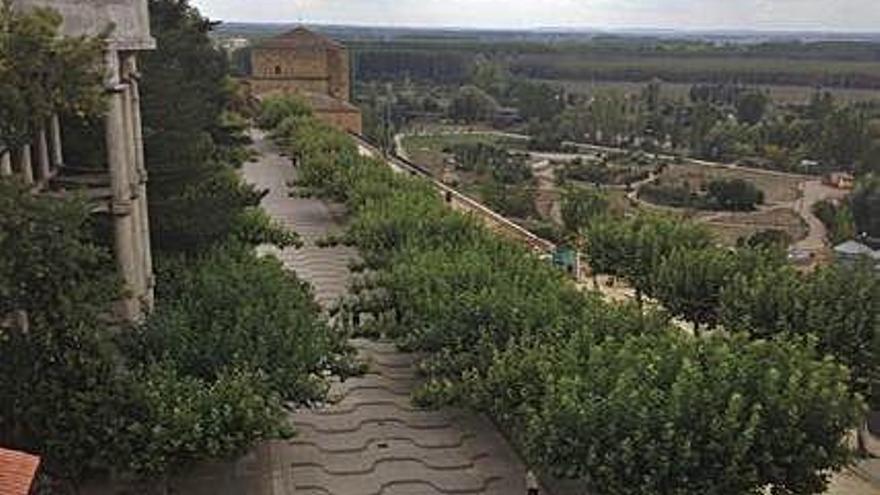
276 109
227 309
665 413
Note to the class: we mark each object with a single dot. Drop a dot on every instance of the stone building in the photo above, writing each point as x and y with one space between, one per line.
306 63
120 189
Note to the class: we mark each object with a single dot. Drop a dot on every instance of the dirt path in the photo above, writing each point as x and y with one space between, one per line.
372 439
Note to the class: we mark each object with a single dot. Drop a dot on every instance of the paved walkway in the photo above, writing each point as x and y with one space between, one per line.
372 440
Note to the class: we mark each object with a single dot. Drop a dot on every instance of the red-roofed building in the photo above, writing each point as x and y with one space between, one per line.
17 472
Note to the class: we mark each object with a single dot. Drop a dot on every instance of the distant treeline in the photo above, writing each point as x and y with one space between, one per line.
828 64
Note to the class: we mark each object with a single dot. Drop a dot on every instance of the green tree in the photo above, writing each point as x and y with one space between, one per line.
689 283
666 413
764 303
538 101
58 387
702 121
195 195
734 194
42 73
842 309
276 109
491 76
471 105
865 205
838 306
838 220
842 139
751 106
607 394
580 206
634 248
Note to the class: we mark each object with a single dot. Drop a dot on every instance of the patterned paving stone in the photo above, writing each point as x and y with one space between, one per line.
371 439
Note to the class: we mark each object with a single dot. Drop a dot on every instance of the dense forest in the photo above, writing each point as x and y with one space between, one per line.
839 65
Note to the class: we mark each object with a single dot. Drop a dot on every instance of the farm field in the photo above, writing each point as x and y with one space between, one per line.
786 94
777 187
730 227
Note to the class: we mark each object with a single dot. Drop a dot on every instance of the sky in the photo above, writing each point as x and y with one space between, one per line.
831 15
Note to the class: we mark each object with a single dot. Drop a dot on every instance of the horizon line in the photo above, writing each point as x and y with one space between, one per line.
567 29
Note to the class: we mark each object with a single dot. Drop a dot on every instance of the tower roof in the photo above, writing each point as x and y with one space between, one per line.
299 37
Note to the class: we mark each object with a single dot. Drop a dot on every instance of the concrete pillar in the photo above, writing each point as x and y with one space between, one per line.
27 168
55 138
43 164
120 179
133 76
5 163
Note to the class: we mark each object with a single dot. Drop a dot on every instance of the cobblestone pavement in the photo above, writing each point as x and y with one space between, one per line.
372 440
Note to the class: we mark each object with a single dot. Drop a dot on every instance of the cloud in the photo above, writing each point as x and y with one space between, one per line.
682 14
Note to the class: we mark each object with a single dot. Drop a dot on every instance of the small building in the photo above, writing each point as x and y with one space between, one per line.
853 252
18 472
314 66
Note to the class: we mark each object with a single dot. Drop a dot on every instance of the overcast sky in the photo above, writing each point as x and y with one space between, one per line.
837 15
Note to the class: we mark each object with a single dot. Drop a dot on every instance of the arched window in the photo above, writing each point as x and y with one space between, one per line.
277 70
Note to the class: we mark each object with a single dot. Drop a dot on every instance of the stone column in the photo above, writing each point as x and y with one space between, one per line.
120 179
133 77
5 163
27 168
55 136
134 176
43 164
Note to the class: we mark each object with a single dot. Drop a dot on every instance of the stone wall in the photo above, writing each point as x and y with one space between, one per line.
347 121
290 63
337 63
322 70
266 86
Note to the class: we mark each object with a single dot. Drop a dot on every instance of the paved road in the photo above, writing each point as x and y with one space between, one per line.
372 440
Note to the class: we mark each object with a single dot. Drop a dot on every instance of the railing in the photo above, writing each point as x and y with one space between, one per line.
492 219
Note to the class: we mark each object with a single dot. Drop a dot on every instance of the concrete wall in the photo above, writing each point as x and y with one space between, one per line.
129 18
